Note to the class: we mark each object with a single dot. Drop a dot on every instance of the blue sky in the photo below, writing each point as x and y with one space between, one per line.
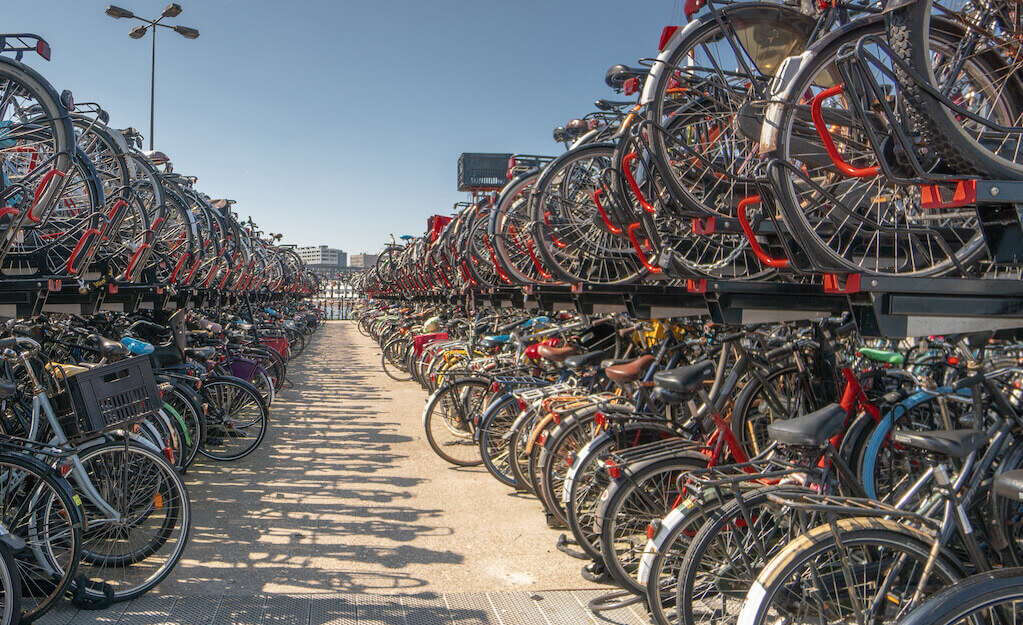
337 122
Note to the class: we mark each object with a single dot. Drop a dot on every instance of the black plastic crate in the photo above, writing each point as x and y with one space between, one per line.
108 397
481 172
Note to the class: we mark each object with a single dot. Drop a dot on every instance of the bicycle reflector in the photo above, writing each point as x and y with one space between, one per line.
692 6
43 49
495 386
652 529
613 469
953 360
522 405
670 30
599 419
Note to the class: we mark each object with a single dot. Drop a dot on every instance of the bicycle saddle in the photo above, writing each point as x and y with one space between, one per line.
958 443
495 339
581 361
206 324
1010 484
617 75
156 157
201 354
556 354
684 379
164 356
107 347
881 355
630 371
809 430
531 351
136 346
535 321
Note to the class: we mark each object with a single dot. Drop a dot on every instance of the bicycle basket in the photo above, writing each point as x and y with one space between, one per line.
482 172
108 397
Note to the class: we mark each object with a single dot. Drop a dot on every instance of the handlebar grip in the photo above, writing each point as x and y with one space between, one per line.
846 328
20 342
968 381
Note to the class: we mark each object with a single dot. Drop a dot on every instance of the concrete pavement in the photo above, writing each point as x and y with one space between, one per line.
345 495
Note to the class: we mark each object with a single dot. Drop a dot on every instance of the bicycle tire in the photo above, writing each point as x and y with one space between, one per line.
909 546
226 397
454 397
960 604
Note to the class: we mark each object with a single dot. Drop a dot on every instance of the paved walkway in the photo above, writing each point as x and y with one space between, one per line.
506 608
346 516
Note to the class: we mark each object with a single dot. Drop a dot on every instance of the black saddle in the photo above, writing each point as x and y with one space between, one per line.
956 443
106 346
1010 484
202 354
810 430
582 361
685 379
165 356
617 75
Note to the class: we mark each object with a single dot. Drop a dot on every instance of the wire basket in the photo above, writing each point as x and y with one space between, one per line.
107 398
481 172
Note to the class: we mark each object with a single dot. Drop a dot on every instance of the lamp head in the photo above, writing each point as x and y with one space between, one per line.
186 32
171 10
118 12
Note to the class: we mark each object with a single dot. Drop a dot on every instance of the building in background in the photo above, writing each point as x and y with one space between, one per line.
361 261
323 259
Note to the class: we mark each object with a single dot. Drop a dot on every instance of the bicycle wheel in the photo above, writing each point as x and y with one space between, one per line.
662 557
586 479
38 507
887 470
574 242
559 452
188 407
130 552
392 359
779 394
495 423
972 73
518 439
727 554
10 589
271 361
995 597
867 224
815 578
236 418
645 493
39 139
449 420
705 154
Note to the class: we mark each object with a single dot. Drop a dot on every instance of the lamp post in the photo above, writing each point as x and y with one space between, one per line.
170 11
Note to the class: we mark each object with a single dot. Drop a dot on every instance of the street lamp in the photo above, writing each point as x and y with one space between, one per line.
172 10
